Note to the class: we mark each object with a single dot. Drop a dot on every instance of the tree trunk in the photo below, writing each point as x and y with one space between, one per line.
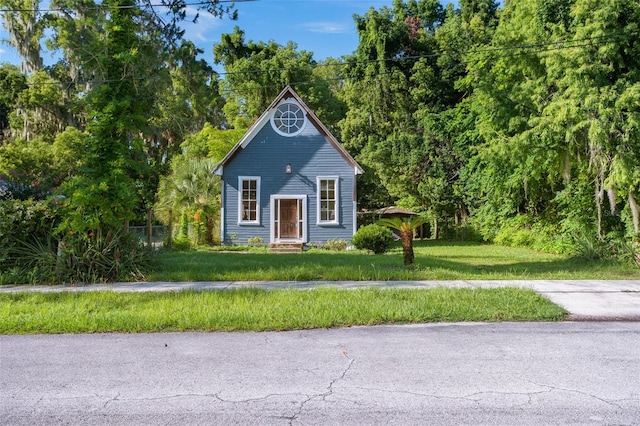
611 194
434 231
149 228
635 212
170 230
599 196
457 223
407 247
210 225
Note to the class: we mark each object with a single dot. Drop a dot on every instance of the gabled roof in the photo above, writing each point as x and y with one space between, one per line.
287 93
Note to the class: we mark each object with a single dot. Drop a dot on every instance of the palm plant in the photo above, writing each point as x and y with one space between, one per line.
406 228
192 188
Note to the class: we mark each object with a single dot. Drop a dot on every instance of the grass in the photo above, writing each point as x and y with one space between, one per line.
259 310
435 260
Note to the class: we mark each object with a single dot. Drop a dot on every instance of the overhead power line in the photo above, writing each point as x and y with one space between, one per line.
517 50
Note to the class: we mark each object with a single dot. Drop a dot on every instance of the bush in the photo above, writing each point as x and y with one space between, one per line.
255 241
373 237
181 243
22 222
336 245
33 251
627 251
590 248
81 259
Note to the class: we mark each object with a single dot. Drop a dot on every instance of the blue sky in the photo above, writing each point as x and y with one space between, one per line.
324 27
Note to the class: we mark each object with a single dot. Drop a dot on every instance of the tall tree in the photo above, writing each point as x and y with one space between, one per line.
256 72
407 122
12 84
556 104
23 20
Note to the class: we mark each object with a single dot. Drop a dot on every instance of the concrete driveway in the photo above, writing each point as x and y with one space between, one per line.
585 300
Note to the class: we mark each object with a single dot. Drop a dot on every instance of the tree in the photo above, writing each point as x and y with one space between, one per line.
408 121
257 72
191 189
12 84
554 102
22 19
406 227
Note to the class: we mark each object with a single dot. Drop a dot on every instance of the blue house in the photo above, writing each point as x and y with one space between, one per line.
288 180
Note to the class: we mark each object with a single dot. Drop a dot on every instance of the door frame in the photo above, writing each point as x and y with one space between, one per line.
302 203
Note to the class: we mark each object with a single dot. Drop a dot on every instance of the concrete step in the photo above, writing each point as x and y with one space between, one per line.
286 247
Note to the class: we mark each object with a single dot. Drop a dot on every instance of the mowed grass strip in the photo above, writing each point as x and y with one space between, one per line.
255 309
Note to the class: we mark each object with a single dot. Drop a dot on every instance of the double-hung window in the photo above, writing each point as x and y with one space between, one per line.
248 200
328 201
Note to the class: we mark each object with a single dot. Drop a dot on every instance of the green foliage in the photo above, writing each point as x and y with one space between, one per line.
470 113
22 222
181 243
30 168
406 226
590 248
375 238
81 258
335 244
250 92
192 190
407 121
32 251
628 251
535 233
255 241
12 83
561 146
211 143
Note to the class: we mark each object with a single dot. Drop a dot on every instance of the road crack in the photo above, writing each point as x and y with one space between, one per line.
323 395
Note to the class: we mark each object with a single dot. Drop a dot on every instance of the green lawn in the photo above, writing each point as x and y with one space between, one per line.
435 260
258 310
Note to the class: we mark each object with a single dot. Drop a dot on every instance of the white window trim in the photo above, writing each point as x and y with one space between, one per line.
304 225
336 220
273 116
241 179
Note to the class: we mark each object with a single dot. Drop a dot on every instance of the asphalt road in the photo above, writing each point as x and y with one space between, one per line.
500 373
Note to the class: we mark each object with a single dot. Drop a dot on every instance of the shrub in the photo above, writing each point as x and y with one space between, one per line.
181 243
255 241
627 251
336 245
373 237
81 259
589 247
22 222
33 251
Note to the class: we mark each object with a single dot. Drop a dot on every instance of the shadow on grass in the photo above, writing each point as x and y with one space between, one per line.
435 260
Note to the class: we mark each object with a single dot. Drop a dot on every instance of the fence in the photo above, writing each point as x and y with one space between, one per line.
158 234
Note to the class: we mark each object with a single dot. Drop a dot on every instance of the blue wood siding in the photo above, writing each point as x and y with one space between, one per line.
267 155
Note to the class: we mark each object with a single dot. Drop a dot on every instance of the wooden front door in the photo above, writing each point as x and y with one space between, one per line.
288 218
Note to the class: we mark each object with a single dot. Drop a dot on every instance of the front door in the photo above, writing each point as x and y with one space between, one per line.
288 218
